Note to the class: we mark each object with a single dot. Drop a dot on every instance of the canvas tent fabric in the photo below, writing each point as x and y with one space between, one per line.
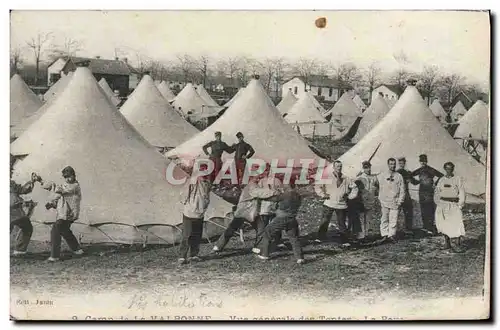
231 101
57 88
304 111
474 123
438 110
125 196
154 118
157 82
166 92
359 102
286 102
109 92
410 129
391 102
28 121
23 102
375 112
458 111
189 102
253 114
345 112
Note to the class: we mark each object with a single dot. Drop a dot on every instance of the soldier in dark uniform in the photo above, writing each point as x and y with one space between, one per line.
243 151
426 176
217 147
407 204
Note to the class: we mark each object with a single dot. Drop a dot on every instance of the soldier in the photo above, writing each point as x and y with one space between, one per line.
368 191
67 205
217 148
243 151
407 204
426 176
450 200
18 216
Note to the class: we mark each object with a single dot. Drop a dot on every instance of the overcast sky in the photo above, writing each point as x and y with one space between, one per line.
454 41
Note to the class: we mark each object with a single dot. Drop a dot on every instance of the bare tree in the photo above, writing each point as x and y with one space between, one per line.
243 71
203 67
68 48
475 92
400 78
348 76
281 67
232 64
429 81
269 73
372 77
305 68
37 44
15 60
143 62
452 85
186 63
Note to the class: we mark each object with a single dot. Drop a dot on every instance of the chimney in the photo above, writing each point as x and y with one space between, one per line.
256 76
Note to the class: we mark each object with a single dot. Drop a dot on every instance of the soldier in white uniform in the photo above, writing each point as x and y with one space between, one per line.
449 196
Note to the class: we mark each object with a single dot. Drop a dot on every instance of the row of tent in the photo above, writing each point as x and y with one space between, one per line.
122 175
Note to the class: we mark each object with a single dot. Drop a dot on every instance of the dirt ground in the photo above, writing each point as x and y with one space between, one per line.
413 266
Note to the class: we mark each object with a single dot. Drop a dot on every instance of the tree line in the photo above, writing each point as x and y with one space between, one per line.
238 70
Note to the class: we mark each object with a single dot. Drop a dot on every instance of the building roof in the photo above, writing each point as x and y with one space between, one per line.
104 66
321 81
394 88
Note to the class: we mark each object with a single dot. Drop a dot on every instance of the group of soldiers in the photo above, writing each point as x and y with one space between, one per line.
66 202
272 206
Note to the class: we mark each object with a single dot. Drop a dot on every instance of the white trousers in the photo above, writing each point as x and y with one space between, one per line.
389 222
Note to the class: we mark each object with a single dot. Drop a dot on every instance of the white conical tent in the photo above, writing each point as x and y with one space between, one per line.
438 110
410 129
253 114
28 121
154 117
109 92
375 112
166 92
458 111
474 123
23 102
191 104
231 101
207 98
304 111
359 102
125 195
345 112
390 102
286 102
57 88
